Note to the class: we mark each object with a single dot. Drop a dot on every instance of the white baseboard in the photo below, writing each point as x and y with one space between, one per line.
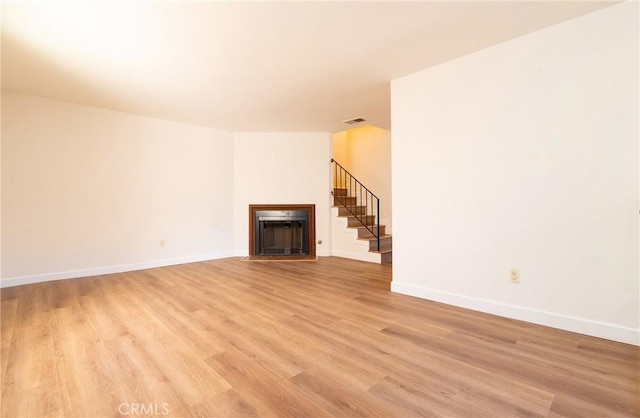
369 257
324 252
550 319
121 268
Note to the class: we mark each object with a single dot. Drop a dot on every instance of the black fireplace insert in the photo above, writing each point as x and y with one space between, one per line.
282 232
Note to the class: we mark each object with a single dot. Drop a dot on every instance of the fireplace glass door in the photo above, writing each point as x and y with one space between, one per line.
282 232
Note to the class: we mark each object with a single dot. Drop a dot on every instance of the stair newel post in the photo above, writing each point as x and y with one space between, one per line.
366 208
359 199
378 223
353 188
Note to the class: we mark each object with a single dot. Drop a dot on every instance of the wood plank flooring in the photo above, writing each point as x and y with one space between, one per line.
234 338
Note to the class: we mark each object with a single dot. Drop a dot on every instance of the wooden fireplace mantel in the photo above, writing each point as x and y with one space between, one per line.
311 209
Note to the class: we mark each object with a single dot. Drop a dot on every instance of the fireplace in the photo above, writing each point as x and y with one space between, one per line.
282 231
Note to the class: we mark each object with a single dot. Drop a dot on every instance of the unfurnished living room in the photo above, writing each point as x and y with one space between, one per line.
324 208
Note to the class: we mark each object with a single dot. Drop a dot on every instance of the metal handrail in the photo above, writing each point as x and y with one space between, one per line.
342 179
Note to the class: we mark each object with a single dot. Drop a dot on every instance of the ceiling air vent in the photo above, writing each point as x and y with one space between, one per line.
353 121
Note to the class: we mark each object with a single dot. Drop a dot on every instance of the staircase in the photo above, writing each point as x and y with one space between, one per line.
353 202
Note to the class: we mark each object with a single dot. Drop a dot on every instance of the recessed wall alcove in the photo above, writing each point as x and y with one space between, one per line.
282 231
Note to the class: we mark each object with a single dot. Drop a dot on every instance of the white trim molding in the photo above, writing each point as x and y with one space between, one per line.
96 271
549 319
365 256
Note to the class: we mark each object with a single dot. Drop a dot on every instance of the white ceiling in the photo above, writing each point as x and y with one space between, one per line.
250 66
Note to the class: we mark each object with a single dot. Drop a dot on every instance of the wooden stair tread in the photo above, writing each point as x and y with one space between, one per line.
373 238
362 226
381 251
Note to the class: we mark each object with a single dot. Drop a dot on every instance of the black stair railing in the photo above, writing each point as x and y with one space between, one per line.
357 198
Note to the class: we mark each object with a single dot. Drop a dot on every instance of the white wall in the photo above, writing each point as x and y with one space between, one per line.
525 156
87 191
340 147
282 168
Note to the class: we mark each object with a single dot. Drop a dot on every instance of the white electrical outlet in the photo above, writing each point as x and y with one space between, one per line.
514 277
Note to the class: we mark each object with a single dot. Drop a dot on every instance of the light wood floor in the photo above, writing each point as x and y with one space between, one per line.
309 339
